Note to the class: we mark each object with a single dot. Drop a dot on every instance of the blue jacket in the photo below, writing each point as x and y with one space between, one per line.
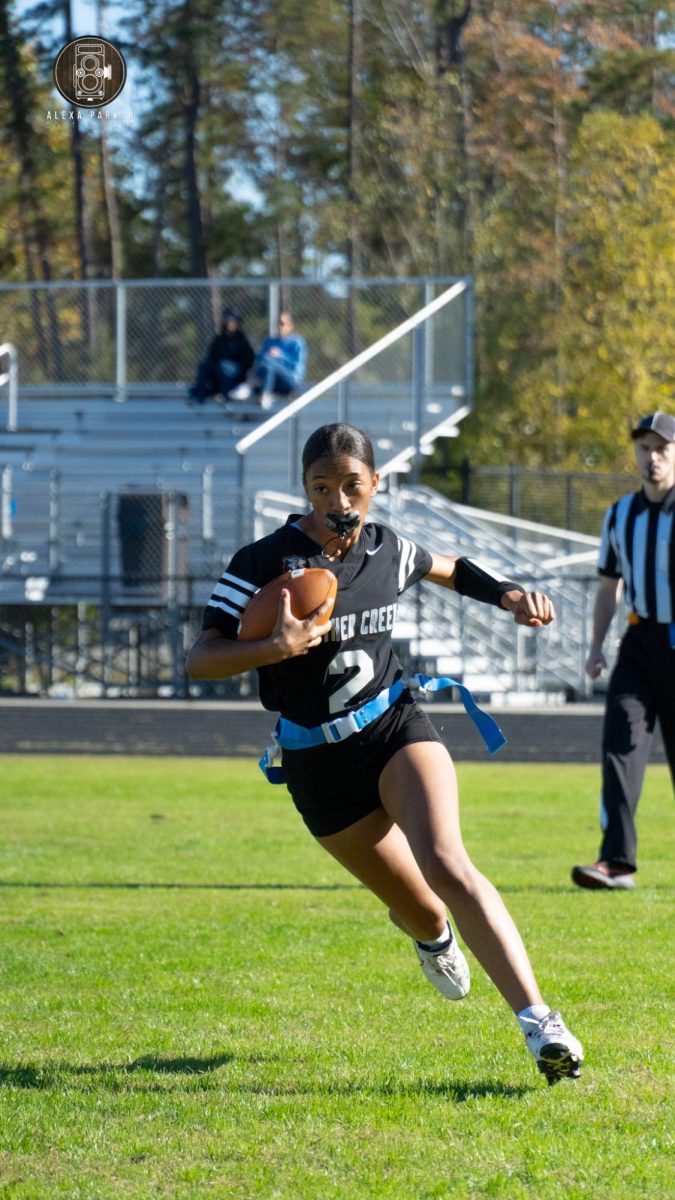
293 353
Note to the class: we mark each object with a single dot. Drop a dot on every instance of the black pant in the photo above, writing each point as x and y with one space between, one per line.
641 688
216 377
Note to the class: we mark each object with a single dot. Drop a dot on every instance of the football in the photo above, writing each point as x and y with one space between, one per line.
308 587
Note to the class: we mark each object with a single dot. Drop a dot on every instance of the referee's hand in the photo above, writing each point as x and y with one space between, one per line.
596 663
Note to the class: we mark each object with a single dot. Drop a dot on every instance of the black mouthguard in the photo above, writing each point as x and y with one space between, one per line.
342 523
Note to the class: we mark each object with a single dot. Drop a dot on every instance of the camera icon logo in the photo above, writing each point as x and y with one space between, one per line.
90 72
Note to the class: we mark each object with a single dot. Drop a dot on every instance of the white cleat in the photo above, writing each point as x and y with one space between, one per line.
555 1050
446 969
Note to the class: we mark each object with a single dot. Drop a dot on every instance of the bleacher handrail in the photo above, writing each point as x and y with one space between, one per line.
349 368
11 378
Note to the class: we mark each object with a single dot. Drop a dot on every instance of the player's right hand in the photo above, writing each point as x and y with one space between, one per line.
596 663
298 636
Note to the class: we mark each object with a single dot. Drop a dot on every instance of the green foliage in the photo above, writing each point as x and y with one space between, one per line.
527 144
197 1000
618 343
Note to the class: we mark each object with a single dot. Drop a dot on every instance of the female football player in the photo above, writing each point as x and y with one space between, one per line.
364 765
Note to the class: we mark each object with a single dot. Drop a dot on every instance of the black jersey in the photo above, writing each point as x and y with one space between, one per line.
356 659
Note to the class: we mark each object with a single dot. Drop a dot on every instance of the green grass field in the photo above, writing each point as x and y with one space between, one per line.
195 1001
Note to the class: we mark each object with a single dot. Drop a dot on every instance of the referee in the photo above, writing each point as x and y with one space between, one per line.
637 551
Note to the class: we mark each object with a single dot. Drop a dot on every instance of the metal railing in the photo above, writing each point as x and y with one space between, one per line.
567 499
410 387
10 379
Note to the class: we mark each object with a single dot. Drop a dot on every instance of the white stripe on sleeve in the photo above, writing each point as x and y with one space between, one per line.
243 584
407 561
232 594
233 612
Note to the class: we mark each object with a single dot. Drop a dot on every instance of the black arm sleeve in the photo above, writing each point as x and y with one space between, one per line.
479 584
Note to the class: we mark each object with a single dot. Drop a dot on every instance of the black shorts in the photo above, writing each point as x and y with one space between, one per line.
337 784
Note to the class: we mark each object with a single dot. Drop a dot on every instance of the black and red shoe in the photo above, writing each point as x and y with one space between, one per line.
603 875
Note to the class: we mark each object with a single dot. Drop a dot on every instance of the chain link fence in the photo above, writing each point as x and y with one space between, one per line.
139 333
567 499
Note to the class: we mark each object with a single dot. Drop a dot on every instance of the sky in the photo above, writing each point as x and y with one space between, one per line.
84 15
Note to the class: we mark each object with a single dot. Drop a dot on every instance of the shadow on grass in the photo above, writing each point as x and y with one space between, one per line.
459 1092
27 1075
208 887
115 1077
454 1090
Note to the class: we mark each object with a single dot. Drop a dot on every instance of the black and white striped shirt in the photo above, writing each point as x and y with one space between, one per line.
638 546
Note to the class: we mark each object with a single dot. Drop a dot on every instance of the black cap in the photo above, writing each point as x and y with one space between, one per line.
231 314
658 422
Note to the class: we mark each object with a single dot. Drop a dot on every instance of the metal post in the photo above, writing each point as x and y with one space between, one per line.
6 504
121 344
293 453
171 536
105 589
178 680
418 374
585 685
428 296
54 520
207 503
11 378
241 482
273 309
80 646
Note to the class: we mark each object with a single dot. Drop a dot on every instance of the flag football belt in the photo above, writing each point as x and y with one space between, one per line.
289 736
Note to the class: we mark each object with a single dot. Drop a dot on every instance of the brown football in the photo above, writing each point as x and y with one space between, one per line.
308 586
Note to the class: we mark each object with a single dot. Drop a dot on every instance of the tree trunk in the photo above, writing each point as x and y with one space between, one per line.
108 182
194 213
80 215
354 262
30 192
450 59
112 209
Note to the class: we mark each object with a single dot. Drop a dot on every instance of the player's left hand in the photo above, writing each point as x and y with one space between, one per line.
531 608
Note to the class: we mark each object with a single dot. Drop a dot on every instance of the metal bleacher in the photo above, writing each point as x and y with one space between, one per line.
75 451
72 463
224 475
63 475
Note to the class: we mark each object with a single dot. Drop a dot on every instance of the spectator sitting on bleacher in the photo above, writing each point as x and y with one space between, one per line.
281 364
228 361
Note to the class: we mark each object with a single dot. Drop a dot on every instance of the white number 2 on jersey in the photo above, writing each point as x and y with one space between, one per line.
363 674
